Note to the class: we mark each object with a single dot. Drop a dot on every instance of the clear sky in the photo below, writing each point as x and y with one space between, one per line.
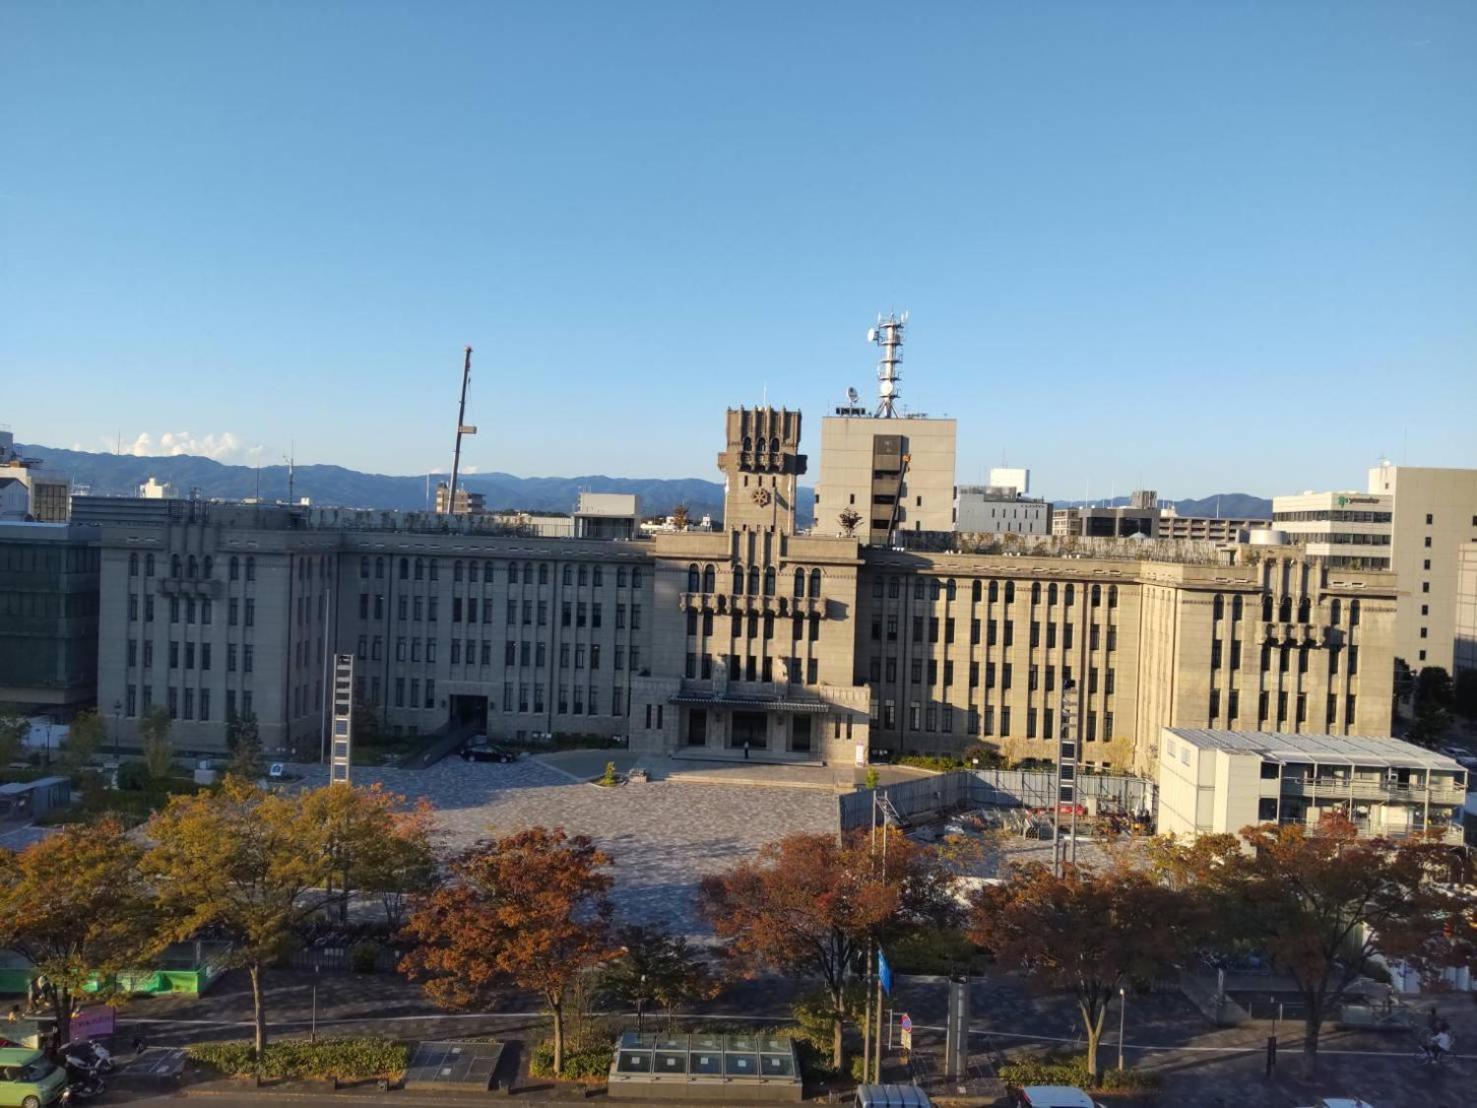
1195 246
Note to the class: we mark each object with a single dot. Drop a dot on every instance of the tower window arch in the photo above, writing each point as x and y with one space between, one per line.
694 578
799 582
149 565
420 569
738 580
753 580
1218 607
209 566
405 569
1284 610
815 582
193 568
174 565
1305 609
709 578
133 564
974 590
769 580
1051 594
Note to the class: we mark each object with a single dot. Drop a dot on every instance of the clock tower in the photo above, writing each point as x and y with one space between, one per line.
761 470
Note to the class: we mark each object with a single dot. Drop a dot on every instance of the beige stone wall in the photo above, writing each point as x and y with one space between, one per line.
846 473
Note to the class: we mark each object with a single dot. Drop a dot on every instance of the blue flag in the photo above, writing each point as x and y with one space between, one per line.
884 972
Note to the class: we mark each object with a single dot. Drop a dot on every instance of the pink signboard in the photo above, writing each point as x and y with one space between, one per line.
94 1022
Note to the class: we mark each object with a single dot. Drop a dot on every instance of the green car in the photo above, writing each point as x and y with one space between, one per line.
29 1079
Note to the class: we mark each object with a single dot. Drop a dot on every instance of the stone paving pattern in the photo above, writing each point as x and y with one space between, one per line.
663 835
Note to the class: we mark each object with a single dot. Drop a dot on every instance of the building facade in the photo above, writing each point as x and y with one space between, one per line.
897 474
1343 528
792 645
49 586
998 510
1217 782
1464 650
1172 525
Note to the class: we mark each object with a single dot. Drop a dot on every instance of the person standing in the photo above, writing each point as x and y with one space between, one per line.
746 750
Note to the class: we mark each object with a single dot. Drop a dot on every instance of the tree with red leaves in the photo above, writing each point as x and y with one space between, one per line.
529 910
809 906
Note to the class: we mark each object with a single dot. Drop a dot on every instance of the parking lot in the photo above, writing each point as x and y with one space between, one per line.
663 835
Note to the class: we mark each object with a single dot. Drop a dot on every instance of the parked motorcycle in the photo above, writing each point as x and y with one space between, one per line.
93 1054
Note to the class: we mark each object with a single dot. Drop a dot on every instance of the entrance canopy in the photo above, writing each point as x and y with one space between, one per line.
750 703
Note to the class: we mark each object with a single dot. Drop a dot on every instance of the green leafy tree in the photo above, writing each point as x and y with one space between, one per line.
246 864
14 727
356 825
153 728
848 519
402 863
655 967
244 743
77 906
84 739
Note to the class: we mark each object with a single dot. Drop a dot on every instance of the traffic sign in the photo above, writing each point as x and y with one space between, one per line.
906 1023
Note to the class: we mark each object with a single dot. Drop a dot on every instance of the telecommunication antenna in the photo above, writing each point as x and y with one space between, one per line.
462 428
888 334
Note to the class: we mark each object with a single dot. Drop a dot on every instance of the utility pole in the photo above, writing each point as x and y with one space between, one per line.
461 429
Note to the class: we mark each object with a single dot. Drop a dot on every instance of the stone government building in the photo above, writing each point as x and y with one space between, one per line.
804 646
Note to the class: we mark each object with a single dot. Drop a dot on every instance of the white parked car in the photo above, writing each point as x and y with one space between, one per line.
1055 1096
1341 1102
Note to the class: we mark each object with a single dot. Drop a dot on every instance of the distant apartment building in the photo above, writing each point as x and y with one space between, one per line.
1350 529
806 647
1140 516
48 614
1004 506
1221 529
1435 518
28 491
607 515
1217 782
467 502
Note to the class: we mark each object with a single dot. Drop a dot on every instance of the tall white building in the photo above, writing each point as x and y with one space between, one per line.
1350 529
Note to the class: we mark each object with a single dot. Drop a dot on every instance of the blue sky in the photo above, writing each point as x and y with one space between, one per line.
1200 247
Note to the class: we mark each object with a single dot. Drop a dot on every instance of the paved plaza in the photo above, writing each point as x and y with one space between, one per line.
663 835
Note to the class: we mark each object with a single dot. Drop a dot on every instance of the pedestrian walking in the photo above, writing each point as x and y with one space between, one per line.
746 750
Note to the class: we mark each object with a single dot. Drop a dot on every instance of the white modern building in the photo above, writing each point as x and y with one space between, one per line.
1350 529
1217 782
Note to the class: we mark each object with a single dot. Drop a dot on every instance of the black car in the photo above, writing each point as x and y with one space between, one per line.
484 751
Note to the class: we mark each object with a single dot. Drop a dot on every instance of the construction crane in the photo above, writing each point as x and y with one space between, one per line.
462 428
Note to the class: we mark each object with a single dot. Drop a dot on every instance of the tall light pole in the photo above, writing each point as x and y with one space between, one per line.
117 726
1122 1008
640 1005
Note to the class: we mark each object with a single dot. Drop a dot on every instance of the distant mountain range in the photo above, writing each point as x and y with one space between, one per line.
335 486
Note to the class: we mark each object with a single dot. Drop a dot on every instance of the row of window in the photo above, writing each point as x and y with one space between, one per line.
187 655
1285 653
756 622
1284 609
1264 703
751 668
1043 678
705 580
571 700
1334 515
191 566
471 610
1001 633
471 570
931 589
480 652
940 718
186 609
190 704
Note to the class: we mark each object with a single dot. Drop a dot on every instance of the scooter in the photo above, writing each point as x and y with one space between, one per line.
92 1054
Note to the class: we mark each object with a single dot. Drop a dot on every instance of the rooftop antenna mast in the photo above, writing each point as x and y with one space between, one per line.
888 334
462 428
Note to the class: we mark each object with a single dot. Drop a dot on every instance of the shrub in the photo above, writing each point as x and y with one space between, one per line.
609 777
1056 1069
348 1059
936 762
591 1063
934 950
873 778
133 776
364 956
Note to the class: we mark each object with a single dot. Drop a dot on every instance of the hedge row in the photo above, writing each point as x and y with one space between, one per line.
1051 1070
348 1059
579 1065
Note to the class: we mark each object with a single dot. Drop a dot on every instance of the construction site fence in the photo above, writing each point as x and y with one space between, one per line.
945 793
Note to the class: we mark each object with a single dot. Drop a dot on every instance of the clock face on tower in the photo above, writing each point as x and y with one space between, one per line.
761 497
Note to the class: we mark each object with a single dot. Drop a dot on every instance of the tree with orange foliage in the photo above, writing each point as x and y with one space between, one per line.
529 909
809 906
1323 903
76 906
1085 931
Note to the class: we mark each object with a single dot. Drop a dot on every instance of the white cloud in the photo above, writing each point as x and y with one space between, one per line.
224 446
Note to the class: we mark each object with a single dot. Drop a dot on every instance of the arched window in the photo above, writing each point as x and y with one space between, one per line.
1069 594
192 567
251 567
1218 607
1235 607
933 588
528 573
1112 596
994 591
799 582
435 567
774 446
379 569
420 569
694 578
512 573
1284 610
1305 609
952 589
1354 612
149 565
738 579
917 588
487 571
543 573
209 566
471 571
753 580
567 574
636 580
1051 594
405 569
456 570
974 590
1009 591
133 564
174 565
748 444
1267 608
710 578
1097 596
815 582
1035 592
364 566
769 580
892 588
1334 611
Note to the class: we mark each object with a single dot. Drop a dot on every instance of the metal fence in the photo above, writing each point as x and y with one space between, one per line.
1002 788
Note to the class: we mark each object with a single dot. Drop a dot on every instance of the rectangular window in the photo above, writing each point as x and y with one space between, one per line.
248 658
250 612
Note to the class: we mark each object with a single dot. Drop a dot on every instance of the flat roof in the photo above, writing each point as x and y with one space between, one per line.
1280 746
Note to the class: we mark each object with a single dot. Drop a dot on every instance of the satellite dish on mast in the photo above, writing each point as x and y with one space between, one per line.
852 395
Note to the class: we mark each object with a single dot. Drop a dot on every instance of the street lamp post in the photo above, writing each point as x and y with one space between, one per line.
117 726
1122 1007
640 1005
313 1032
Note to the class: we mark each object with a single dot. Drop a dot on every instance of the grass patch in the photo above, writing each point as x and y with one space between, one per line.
586 1064
346 1059
1067 1069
